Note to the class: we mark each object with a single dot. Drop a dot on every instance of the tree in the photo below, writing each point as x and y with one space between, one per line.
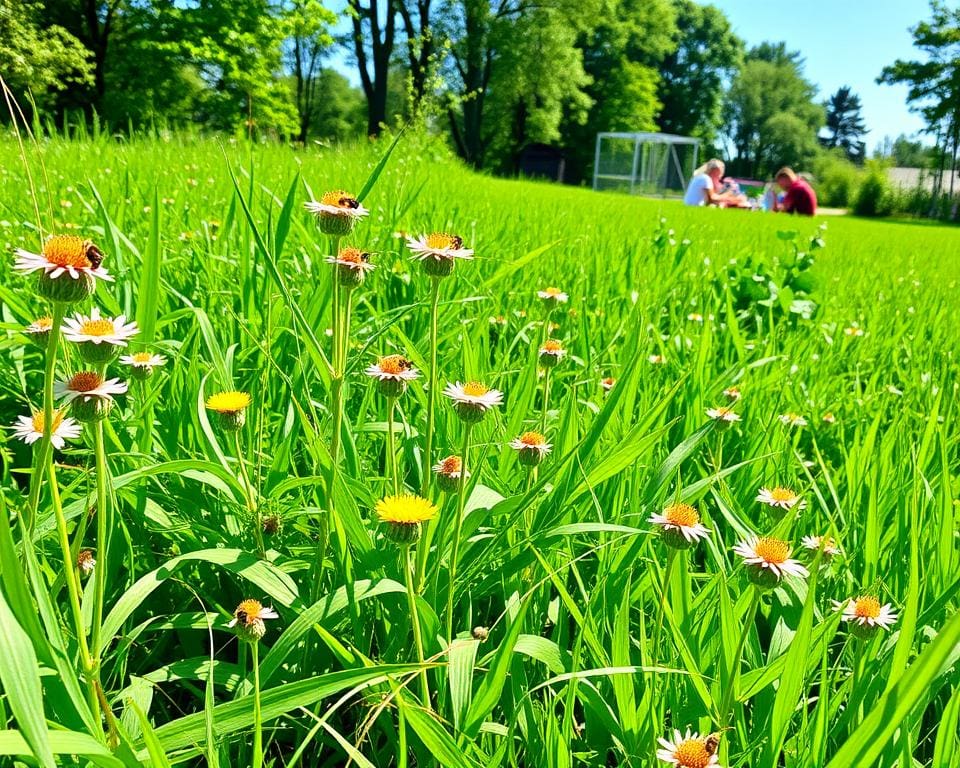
693 76
771 116
904 152
934 84
420 44
308 40
374 34
845 124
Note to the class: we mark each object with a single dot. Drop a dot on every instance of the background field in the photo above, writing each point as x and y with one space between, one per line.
562 568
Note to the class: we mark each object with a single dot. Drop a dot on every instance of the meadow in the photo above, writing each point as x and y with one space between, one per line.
712 520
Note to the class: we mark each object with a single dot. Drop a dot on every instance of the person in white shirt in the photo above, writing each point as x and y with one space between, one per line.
705 185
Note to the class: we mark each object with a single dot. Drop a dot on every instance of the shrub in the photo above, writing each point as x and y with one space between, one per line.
838 180
875 197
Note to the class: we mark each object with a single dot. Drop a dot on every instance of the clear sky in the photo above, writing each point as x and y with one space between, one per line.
845 42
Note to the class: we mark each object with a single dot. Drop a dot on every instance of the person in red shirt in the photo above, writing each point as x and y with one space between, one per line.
798 197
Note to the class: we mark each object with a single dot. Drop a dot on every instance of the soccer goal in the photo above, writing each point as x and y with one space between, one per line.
644 163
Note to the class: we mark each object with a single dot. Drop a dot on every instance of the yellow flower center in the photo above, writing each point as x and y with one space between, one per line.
38 421
442 240
228 402
552 345
101 327
475 389
339 199
67 251
793 417
551 291
407 509
532 439
44 323
248 611
85 381
772 551
692 753
782 494
142 357
353 255
681 514
609 381
393 364
450 465
723 411
866 607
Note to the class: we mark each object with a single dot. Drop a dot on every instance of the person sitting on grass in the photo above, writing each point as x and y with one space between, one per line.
798 196
705 185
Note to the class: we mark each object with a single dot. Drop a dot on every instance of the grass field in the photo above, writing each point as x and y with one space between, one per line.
541 619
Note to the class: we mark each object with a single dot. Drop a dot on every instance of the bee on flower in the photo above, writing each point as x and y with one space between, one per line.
337 212
816 543
553 295
352 265
723 416
230 408
248 619
142 364
551 353
865 615
448 473
680 526
402 516
531 448
689 750
792 420
780 498
768 560
98 338
473 399
438 252
89 395
29 429
69 267
38 332
392 374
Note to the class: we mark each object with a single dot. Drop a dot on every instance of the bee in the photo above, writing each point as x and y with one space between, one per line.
712 742
365 257
94 255
348 202
403 364
243 618
456 241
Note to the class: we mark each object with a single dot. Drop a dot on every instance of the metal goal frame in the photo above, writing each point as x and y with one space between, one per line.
649 167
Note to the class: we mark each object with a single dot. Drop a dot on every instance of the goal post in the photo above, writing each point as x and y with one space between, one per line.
644 162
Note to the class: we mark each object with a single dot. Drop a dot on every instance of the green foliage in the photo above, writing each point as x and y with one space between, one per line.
874 196
845 124
837 179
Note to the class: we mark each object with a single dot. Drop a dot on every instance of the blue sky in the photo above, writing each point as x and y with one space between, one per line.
845 42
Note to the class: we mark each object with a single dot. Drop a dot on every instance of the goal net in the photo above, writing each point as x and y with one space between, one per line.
644 163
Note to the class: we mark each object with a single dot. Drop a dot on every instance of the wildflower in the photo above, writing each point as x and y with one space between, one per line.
39 331
815 543
249 620
98 337
531 448
30 429
86 561
448 473
680 526
480 633
337 212
695 317
142 364
829 418
473 400
768 560
402 516
780 498
89 395
438 252
688 750
854 331
392 374
865 615
271 525
352 266
732 394
551 353
68 267
607 383
553 295
231 408
792 420
657 360
723 416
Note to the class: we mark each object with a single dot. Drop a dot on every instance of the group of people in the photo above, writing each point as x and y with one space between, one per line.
788 194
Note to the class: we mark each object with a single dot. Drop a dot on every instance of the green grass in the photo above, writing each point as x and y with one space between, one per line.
596 640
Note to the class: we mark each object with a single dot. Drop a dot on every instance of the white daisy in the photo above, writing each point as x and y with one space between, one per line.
772 555
339 204
144 360
99 330
473 396
553 294
814 543
531 448
352 265
30 429
866 611
657 360
687 750
448 472
42 325
780 497
392 367
63 255
723 414
732 394
439 246
88 385
248 618
680 519
792 420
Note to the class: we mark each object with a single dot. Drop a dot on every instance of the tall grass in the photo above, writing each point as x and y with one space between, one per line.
578 638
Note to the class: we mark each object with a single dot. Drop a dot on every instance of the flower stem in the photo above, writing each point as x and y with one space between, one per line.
391 448
103 544
408 568
257 715
431 388
252 507
457 529
728 694
664 589
43 454
546 400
